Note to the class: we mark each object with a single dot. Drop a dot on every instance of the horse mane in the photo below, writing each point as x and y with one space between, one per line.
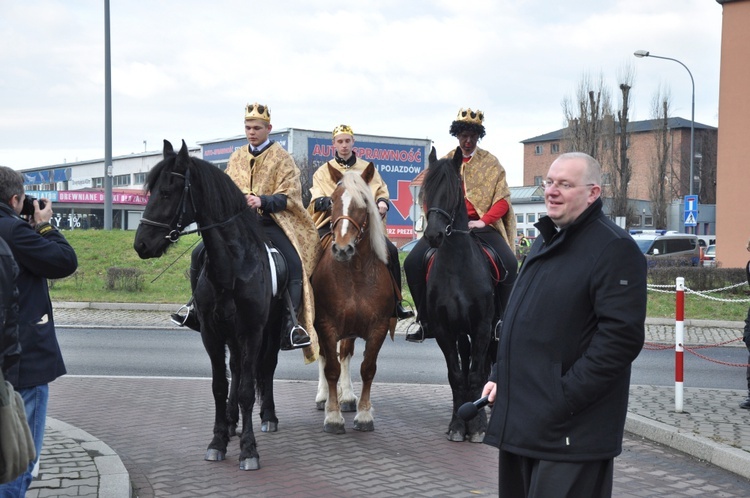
218 193
362 197
442 176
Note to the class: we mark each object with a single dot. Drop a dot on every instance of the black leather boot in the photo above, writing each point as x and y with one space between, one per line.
189 319
402 313
293 335
746 404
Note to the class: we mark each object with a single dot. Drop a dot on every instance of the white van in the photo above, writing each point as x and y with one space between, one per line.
661 244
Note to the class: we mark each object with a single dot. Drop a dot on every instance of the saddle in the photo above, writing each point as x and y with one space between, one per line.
279 270
494 263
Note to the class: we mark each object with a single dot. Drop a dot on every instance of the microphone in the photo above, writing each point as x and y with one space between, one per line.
468 411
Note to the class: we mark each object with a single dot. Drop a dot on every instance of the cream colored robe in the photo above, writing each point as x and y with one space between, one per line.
485 184
323 186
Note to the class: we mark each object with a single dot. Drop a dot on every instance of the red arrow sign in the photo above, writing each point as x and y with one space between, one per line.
403 201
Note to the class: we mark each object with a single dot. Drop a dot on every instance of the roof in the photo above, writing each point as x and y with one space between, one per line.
633 127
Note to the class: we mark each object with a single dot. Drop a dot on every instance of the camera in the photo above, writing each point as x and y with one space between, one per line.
28 205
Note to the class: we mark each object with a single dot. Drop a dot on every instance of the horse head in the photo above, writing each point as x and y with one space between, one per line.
444 199
170 206
354 215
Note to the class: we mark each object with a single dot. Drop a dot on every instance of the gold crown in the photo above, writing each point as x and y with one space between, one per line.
342 128
469 116
257 111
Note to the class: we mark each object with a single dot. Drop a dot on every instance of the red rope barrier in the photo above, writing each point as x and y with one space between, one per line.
725 363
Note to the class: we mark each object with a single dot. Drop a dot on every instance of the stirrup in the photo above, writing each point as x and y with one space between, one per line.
179 319
411 336
404 312
296 345
496 330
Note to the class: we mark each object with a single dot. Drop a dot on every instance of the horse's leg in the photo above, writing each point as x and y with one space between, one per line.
364 421
217 448
480 367
449 346
268 360
233 408
250 344
322 395
334 421
345 390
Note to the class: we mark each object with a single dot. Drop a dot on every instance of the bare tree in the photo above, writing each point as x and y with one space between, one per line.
661 172
585 116
616 160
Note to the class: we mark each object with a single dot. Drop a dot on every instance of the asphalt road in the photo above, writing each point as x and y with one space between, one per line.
179 353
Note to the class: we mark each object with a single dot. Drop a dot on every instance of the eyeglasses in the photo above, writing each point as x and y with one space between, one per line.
563 185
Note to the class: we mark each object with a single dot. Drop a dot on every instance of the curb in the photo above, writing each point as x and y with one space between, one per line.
732 459
113 477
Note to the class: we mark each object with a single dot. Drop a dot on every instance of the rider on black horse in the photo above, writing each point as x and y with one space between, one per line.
269 178
491 216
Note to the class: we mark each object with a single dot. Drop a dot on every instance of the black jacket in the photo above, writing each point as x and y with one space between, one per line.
39 257
574 324
9 346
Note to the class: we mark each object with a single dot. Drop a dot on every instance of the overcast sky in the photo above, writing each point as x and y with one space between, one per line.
184 69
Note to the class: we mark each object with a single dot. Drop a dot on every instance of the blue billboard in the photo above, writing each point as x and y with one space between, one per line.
397 164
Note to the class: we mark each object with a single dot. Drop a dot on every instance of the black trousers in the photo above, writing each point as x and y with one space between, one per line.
416 273
523 477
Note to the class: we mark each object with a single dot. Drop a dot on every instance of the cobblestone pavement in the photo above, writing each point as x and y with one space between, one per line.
158 429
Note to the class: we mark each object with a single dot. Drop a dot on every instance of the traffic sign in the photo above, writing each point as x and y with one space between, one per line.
691 210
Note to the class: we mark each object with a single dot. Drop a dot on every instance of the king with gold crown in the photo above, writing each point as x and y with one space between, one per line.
491 216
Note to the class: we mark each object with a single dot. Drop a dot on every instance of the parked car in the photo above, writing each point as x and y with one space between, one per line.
668 246
408 246
709 256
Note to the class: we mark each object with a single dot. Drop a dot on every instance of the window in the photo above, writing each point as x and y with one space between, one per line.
97 182
541 214
554 148
537 181
519 232
538 149
531 232
648 221
519 218
531 218
139 178
120 180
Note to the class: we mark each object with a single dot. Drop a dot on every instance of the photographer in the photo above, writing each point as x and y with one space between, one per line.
41 252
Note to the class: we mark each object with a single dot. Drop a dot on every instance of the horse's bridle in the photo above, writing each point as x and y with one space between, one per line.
176 227
450 217
361 230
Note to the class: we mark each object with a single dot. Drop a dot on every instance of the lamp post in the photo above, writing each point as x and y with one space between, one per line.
645 53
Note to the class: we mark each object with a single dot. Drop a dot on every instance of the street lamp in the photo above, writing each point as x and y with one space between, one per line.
645 53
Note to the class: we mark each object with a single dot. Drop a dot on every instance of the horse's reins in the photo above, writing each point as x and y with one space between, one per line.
175 228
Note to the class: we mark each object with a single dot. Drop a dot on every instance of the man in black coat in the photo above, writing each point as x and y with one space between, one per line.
573 326
41 252
9 347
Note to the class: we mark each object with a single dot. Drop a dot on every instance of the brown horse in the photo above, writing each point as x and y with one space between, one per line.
354 298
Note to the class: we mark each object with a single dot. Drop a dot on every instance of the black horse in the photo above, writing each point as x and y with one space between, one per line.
233 295
460 306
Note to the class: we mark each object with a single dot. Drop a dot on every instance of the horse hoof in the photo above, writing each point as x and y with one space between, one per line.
320 405
269 426
213 455
455 436
334 428
348 406
252 463
364 426
477 437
